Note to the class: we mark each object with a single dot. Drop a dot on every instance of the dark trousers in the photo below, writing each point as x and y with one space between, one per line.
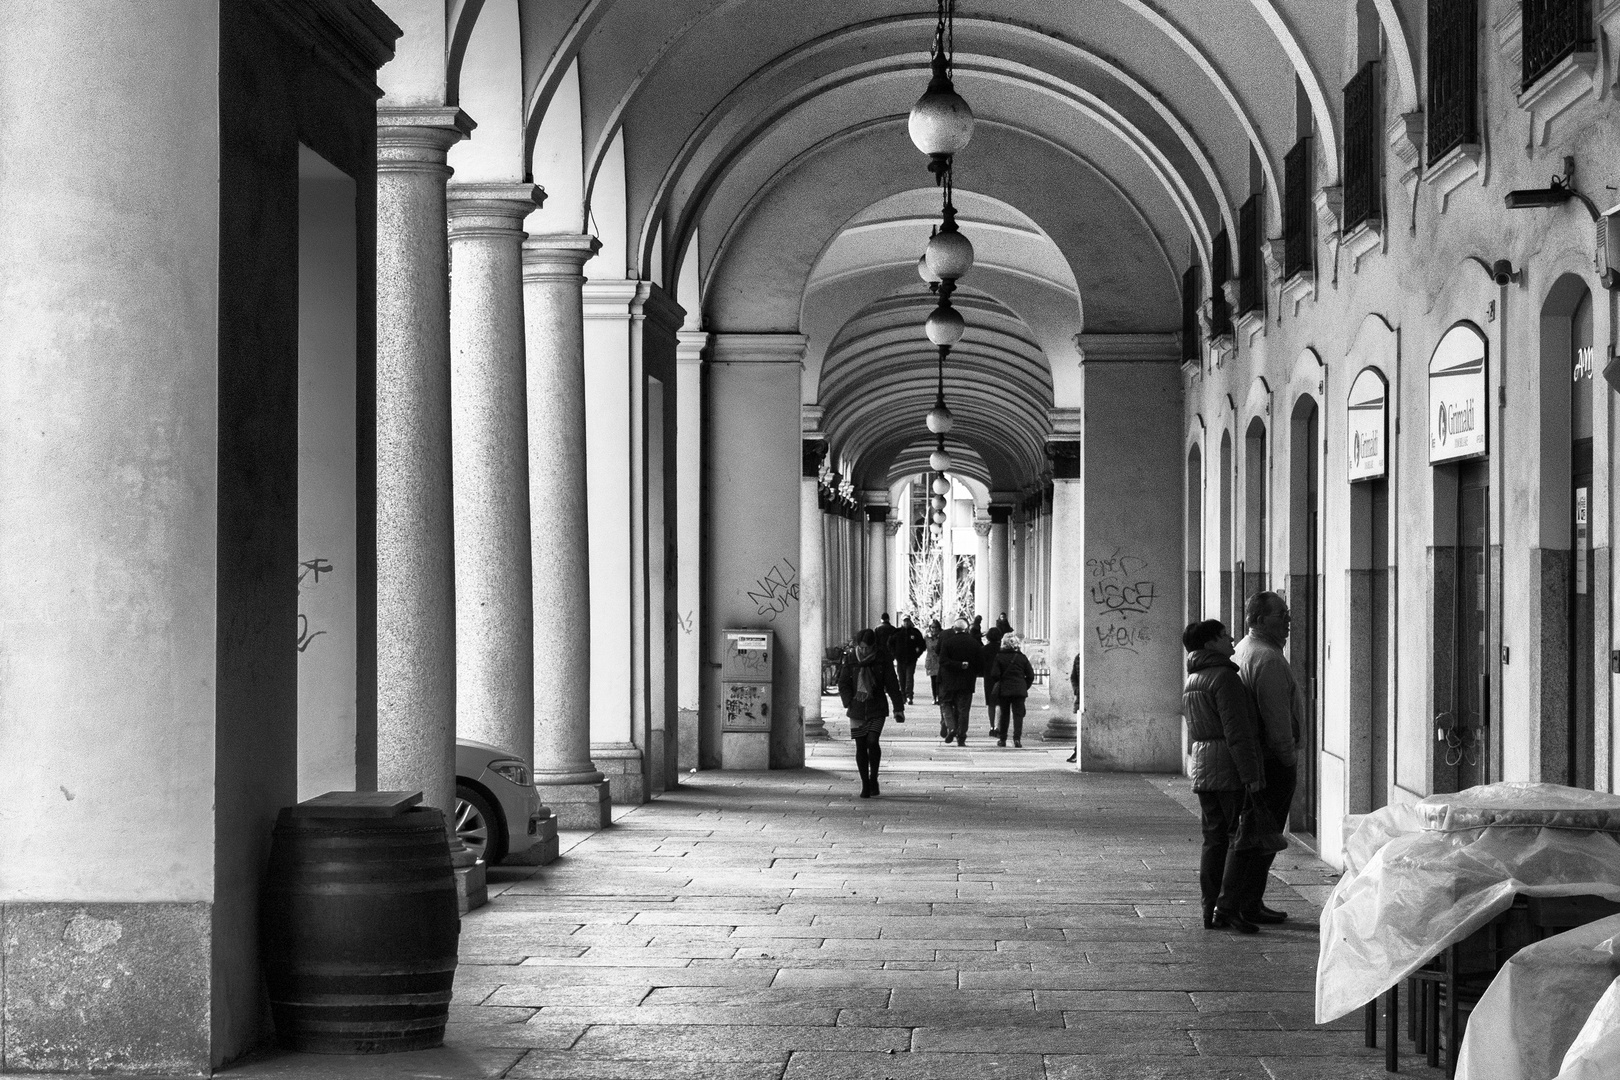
933 684
990 708
1227 878
1004 706
954 709
868 755
908 678
1278 797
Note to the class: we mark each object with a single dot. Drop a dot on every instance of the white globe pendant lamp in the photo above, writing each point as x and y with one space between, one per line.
941 486
940 460
945 325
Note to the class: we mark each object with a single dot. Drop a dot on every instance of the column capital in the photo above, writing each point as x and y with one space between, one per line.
1065 457
893 527
417 138
982 528
558 256
877 514
475 209
690 345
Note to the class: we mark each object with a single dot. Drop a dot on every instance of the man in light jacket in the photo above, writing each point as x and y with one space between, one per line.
1226 763
1281 704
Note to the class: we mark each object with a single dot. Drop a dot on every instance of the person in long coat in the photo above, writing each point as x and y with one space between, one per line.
1223 726
987 656
866 684
931 657
959 664
1012 675
907 646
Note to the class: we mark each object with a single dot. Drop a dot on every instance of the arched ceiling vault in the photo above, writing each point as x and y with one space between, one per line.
765 159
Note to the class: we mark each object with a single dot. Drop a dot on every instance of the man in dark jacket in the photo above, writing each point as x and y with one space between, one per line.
987 656
1224 729
883 632
908 646
959 659
1012 675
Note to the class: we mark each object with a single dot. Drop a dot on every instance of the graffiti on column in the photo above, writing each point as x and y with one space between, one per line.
309 576
779 587
684 622
1122 596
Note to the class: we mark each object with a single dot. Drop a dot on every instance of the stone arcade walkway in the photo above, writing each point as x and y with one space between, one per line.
995 915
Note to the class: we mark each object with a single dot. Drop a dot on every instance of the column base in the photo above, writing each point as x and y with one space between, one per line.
139 971
815 727
1061 729
544 849
579 806
472 886
622 764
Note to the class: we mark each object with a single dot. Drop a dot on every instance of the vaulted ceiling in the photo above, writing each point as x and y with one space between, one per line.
755 152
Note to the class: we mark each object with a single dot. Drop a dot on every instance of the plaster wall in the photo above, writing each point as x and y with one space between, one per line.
327 473
1421 279
752 460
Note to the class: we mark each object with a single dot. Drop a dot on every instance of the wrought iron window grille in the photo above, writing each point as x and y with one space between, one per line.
1250 293
1220 312
1553 30
1298 247
1453 76
1362 172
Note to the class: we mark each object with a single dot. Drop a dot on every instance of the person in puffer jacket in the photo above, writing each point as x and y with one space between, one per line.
1223 726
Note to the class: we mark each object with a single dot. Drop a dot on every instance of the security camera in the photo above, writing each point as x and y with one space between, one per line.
1502 272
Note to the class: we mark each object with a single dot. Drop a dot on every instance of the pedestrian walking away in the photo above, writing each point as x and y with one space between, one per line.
866 685
1278 699
1224 730
908 646
931 661
987 656
959 660
883 633
1011 674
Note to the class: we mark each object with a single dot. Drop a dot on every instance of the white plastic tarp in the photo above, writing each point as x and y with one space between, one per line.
1533 1011
1595 1053
1421 876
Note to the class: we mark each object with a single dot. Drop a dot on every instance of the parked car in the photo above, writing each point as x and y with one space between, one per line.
496 804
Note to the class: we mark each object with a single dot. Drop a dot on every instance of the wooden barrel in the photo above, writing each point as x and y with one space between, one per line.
360 927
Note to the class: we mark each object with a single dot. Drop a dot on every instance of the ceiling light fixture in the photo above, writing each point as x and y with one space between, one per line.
941 122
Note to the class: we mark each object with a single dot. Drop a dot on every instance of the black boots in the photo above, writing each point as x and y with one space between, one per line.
869 787
1232 920
1262 914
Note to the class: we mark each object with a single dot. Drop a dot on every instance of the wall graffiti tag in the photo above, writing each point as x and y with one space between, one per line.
779 587
309 575
1122 595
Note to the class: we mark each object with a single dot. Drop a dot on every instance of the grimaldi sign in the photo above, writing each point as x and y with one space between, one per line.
1367 439
1457 405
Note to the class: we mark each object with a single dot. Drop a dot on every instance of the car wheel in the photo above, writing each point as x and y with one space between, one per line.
478 825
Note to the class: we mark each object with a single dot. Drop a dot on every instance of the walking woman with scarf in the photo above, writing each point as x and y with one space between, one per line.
867 683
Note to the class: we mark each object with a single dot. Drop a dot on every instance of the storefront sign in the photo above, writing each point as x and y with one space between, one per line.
1367 426
1458 409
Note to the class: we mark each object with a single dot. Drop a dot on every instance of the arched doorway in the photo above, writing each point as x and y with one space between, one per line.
1194 516
1369 591
1461 567
1304 598
1256 509
1225 554
1568 619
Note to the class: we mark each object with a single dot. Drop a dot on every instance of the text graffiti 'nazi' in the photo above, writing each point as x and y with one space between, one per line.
772 593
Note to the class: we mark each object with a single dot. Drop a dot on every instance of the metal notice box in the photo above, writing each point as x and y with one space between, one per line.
745 680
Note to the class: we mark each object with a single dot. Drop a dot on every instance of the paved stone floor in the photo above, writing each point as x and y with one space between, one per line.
993 915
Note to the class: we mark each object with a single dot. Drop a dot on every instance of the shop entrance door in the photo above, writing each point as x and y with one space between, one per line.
1581 629
1462 748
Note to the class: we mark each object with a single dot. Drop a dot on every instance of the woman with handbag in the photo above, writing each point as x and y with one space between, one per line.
867 683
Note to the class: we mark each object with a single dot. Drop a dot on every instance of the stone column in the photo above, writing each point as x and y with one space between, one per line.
490 460
947 569
812 589
1129 563
877 562
998 565
893 554
689 360
981 573
554 323
416 603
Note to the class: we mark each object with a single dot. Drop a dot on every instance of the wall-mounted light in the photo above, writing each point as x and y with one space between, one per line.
1560 190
